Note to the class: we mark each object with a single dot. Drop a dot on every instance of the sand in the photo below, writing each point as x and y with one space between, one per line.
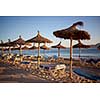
10 73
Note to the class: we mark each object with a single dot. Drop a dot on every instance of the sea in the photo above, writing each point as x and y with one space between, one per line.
65 53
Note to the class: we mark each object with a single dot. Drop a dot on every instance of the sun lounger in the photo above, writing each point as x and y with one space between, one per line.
28 65
55 70
98 64
91 61
29 57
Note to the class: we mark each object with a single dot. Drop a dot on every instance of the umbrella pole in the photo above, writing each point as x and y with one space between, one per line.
20 53
9 50
33 50
44 52
58 52
2 51
79 53
38 58
33 53
70 74
20 50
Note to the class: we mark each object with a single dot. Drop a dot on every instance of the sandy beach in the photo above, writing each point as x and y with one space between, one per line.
10 73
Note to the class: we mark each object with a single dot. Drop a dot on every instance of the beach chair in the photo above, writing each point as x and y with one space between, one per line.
16 59
28 65
54 71
8 57
25 65
28 57
60 71
3 56
60 60
52 58
93 62
98 64
83 62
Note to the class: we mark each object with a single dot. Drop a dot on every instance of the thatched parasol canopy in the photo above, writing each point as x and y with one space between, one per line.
5 45
33 48
98 47
2 45
59 46
19 41
72 33
44 47
25 48
15 48
9 44
39 39
81 45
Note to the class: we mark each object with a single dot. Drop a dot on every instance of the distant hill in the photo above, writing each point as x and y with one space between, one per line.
95 45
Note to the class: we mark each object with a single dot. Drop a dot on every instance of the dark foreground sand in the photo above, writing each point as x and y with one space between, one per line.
11 74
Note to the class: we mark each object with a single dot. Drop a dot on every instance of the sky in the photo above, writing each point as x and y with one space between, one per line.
27 26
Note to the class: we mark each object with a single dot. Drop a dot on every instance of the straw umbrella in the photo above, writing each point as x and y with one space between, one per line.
59 46
44 47
10 44
33 48
2 47
80 45
39 39
98 47
25 48
72 33
20 42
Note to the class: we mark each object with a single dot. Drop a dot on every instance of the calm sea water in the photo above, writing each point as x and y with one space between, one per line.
91 52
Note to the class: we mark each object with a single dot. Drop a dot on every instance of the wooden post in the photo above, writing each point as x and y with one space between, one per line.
79 48
79 54
20 53
2 51
9 53
58 52
44 52
9 50
9 47
38 58
33 49
70 74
